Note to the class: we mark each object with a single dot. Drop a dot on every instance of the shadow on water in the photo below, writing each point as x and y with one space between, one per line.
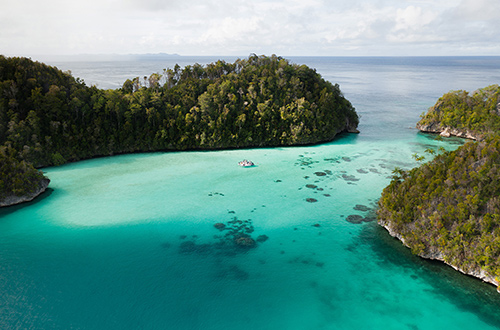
433 138
467 293
4 211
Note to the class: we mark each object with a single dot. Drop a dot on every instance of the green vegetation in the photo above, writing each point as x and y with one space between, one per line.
478 114
449 208
17 178
48 117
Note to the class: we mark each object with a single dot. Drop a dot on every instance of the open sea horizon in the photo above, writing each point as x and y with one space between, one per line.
141 241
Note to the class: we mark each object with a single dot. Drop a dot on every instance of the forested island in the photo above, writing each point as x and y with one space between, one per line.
449 208
473 116
48 117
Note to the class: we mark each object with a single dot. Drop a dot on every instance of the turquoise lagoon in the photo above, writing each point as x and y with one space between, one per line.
128 242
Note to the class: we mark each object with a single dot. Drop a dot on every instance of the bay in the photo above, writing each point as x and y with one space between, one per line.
129 242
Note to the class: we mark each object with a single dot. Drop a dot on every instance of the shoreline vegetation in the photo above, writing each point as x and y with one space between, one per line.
458 113
448 209
48 117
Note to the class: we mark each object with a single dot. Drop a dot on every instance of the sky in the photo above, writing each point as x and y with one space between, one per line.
236 27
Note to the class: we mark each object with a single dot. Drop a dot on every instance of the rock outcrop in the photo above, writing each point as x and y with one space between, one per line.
449 131
435 254
14 200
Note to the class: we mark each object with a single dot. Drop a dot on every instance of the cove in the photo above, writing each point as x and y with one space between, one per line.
129 242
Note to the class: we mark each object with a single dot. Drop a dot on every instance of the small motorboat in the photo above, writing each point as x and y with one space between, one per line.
246 163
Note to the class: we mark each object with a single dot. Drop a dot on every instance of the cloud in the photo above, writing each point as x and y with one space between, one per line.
413 18
225 27
414 25
478 10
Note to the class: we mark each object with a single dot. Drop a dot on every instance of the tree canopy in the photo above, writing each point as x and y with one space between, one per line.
477 113
449 208
48 117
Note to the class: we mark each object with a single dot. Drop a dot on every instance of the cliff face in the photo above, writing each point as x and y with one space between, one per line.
447 131
13 200
449 209
434 253
472 116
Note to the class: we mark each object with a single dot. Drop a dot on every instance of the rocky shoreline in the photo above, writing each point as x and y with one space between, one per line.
446 131
435 254
14 200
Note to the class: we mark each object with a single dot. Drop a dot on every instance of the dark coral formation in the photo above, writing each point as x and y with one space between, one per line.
262 238
351 178
354 218
220 226
236 239
360 207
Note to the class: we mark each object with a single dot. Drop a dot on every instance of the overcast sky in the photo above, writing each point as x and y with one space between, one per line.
234 27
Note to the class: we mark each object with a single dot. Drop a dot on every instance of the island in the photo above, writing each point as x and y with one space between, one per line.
448 209
48 117
458 113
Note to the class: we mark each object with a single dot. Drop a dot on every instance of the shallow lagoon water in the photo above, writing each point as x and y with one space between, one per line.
129 242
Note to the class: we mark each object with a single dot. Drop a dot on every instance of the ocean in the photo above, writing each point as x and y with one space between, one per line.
144 241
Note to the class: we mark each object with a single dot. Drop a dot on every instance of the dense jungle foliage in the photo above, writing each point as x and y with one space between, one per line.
48 117
450 206
17 178
478 113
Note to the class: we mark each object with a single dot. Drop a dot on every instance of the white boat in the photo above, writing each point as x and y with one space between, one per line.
246 163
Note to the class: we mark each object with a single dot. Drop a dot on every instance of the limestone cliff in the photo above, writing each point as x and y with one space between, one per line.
434 253
473 116
447 131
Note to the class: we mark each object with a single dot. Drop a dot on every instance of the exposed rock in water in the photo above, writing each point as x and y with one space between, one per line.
446 131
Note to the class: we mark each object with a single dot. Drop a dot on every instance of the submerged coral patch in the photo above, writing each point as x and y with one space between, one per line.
262 238
362 208
354 218
350 178
357 219
311 200
220 226
236 239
